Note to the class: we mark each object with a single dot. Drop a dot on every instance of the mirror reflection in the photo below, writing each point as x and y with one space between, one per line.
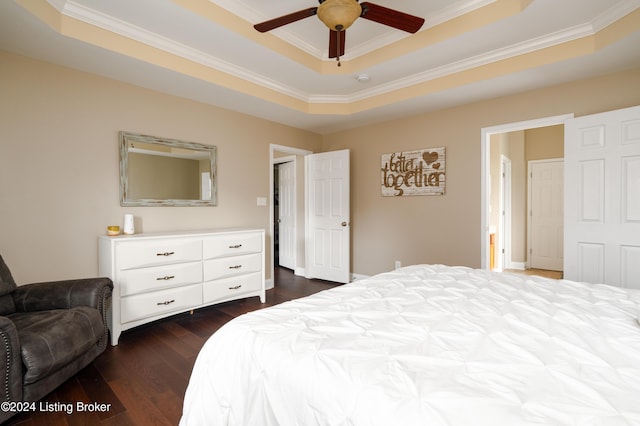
156 171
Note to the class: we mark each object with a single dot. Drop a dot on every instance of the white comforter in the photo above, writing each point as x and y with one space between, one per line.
427 345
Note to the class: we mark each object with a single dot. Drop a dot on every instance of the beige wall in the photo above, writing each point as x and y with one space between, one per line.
447 229
544 143
59 167
518 197
59 164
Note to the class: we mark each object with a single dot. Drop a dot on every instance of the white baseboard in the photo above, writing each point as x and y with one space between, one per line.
301 272
520 266
356 277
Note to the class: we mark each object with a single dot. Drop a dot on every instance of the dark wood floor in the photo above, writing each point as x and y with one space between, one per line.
144 378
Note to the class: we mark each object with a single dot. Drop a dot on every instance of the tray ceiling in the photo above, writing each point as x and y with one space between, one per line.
208 51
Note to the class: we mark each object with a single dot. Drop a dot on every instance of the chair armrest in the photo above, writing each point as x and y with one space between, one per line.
93 292
10 364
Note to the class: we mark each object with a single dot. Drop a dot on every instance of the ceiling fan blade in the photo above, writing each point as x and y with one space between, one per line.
271 24
391 18
333 43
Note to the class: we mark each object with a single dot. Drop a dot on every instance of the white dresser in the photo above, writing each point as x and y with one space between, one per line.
158 275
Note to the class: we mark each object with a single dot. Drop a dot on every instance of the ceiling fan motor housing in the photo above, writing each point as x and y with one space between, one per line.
338 15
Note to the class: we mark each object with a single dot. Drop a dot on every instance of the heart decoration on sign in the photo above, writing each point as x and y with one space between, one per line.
436 166
430 157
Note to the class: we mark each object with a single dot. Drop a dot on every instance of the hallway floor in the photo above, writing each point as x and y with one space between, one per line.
557 275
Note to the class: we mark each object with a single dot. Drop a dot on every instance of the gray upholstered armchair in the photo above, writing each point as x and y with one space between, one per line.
48 332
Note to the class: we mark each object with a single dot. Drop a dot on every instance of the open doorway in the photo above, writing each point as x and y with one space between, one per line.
294 233
284 212
519 143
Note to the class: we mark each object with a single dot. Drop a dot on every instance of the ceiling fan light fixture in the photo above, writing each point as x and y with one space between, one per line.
338 15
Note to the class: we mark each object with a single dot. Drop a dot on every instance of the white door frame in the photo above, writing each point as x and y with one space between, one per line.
485 170
274 160
504 243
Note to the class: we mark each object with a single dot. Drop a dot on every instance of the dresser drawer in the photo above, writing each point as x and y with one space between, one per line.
134 281
231 287
231 245
232 266
160 302
141 254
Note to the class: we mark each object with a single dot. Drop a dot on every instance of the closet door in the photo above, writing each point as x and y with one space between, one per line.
287 215
546 214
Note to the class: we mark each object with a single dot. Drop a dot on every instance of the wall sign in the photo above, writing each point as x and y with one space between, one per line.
413 173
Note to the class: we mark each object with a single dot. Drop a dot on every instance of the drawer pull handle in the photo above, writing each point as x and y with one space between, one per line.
166 253
168 277
235 287
168 302
236 246
235 267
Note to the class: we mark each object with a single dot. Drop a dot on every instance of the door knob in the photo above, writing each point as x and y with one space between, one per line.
344 224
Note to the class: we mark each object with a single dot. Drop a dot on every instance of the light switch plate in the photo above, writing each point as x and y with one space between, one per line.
262 201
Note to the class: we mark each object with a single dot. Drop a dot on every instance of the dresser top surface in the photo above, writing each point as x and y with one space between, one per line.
176 234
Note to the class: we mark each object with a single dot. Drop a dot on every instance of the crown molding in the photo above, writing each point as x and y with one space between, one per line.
607 18
443 15
615 13
125 29
453 11
92 17
241 9
465 65
59 5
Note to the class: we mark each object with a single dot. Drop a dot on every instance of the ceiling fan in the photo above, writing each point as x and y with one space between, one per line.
338 15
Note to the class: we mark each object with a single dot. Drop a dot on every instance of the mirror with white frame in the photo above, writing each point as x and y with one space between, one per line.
166 172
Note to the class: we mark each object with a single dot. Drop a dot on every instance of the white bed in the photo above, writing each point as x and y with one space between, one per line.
427 345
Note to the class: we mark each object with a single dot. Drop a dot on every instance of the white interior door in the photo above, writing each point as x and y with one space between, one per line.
602 199
287 215
328 216
546 214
